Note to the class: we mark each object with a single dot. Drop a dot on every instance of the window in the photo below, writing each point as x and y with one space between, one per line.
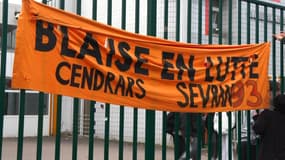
215 17
12 101
215 21
11 39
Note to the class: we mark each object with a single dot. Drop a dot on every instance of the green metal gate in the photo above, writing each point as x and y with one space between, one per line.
207 22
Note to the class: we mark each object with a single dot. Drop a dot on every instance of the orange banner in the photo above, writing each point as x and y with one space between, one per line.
62 53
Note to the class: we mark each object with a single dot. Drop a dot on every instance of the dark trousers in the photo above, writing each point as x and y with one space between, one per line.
182 147
244 151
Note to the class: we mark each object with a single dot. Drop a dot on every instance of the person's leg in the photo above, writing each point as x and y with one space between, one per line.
225 147
214 145
243 149
253 151
193 149
181 146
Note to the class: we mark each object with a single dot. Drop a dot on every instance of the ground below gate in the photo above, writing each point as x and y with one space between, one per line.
30 147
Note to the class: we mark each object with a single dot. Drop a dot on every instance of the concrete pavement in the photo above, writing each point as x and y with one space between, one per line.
9 151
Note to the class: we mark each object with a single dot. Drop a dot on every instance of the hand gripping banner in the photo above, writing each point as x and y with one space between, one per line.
63 53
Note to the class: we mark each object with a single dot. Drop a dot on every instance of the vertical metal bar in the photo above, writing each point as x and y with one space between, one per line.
257 24
92 103
220 22
94 10
58 128
135 117
220 42
230 135
91 129
75 128
187 134
239 112
123 24
150 114
274 51
200 136
164 119
164 114
239 135
58 113
189 21
210 40
78 7
137 16
199 117
177 20
200 22
257 41
248 22
265 23
230 22
121 133
239 21
21 124
135 133
188 127
177 122
210 116
230 113
40 121
40 126
210 135
281 52
107 107
248 151
107 129
176 136
3 68
220 136
75 107
122 110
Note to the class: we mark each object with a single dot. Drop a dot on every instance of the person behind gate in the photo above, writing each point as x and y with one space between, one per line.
182 133
270 126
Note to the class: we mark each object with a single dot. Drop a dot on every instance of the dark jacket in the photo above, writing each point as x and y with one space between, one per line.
271 126
182 123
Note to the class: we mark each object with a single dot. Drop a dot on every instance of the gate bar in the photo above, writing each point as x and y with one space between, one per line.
239 112
248 114
107 105
199 117
75 106
122 108
164 113
40 121
21 125
257 41
210 115
58 128
58 112
3 68
281 53
230 113
177 145
40 126
188 118
92 103
135 110
150 114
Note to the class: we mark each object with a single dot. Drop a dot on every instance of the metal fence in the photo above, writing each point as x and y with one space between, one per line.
226 22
